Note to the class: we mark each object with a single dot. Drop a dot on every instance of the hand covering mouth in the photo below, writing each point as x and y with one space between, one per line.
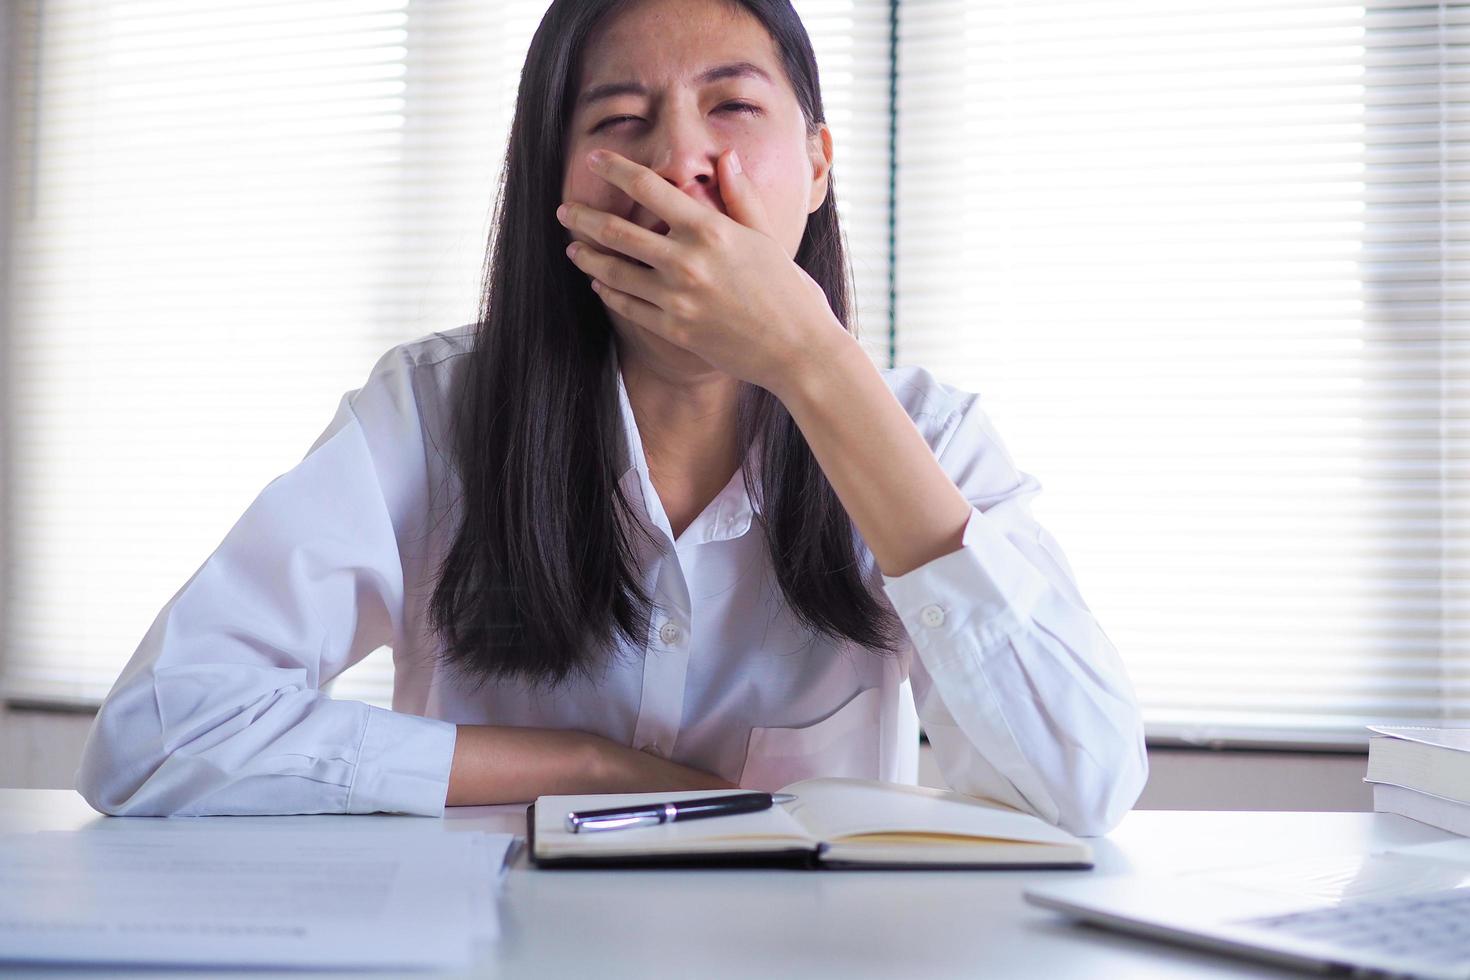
658 228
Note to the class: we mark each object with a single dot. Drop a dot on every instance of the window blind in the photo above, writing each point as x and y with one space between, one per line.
223 214
1205 262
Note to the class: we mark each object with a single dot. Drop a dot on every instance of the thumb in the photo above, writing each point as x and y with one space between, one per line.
741 201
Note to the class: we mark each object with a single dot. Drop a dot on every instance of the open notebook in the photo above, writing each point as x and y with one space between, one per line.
834 822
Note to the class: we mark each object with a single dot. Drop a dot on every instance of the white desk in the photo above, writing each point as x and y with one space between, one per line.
788 923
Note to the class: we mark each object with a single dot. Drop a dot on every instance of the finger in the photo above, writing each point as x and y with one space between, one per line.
616 234
617 272
644 314
677 209
741 201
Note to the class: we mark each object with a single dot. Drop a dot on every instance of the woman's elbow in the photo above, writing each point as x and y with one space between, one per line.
121 759
108 792
1107 789
108 797
109 784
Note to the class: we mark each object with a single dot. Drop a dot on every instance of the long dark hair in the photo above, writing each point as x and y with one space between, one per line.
543 571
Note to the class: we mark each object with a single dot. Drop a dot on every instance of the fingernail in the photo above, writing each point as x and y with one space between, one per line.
561 213
734 162
596 157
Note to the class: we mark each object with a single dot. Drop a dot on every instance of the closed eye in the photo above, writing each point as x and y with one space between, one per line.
743 107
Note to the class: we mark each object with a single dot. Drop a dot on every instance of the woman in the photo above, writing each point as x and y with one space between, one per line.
655 522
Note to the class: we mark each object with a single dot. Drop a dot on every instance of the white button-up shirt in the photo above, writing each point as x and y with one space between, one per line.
221 709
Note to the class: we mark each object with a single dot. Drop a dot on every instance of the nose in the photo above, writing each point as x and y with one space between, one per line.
683 151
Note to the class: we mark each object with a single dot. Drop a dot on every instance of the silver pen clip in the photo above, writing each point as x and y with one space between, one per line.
647 817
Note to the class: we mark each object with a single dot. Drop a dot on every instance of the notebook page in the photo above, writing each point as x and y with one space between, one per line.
763 830
835 807
954 852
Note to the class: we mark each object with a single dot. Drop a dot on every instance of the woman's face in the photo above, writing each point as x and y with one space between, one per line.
681 123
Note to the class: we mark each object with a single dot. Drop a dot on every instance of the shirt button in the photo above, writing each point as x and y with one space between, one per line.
669 633
931 616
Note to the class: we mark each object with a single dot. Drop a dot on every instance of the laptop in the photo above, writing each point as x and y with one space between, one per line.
1400 912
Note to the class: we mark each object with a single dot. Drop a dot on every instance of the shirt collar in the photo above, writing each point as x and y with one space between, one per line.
727 516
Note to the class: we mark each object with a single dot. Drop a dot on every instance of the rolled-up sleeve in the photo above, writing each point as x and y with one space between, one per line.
220 709
1023 697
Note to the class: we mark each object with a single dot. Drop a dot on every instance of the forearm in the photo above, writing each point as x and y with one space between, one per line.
508 764
907 509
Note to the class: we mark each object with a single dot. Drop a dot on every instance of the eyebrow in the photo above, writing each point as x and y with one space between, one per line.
735 69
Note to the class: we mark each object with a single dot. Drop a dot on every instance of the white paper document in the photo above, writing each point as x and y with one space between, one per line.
212 895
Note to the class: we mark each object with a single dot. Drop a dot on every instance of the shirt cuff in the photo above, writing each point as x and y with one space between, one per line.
983 592
402 765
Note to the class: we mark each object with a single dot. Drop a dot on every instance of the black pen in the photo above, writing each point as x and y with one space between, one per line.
650 814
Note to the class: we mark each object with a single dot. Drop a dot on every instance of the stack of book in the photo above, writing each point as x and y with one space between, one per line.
1423 774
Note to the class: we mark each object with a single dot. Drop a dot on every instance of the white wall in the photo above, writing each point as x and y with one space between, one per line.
7 111
40 749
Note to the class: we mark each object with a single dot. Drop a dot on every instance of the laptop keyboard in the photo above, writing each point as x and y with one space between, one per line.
1433 927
